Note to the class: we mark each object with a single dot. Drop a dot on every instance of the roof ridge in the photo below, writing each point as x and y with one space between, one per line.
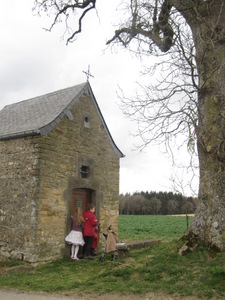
46 95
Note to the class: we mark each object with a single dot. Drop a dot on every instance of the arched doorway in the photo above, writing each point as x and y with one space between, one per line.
81 198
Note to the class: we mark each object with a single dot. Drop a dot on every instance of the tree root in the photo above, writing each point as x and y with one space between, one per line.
191 242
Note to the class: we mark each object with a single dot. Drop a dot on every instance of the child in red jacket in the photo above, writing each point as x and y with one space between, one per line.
90 222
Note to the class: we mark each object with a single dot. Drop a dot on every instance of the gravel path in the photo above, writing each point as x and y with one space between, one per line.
17 295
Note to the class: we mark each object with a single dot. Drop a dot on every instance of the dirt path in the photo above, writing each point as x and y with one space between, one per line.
16 295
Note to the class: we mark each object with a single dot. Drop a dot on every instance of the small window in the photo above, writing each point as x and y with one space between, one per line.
78 203
85 172
86 122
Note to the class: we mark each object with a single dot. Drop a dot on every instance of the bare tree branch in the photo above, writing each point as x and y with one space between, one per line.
65 8
160 32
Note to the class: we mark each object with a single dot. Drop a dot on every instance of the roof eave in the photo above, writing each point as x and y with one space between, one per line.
19 135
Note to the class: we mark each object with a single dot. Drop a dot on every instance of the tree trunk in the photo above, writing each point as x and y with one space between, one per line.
208 227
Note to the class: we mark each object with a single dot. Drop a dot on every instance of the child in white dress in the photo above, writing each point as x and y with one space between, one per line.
75 237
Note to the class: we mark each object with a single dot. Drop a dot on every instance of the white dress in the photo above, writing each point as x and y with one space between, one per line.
75 238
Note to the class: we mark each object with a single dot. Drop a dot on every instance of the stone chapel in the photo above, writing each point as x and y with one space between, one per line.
56 153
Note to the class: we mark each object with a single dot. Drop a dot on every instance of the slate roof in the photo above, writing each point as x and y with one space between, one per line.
39 115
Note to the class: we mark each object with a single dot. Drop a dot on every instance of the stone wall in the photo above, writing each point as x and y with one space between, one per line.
19 186
41 173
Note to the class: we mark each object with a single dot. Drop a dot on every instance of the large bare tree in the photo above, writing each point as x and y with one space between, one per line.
157 24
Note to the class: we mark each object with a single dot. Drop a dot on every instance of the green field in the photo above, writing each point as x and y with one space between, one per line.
150 227
158 270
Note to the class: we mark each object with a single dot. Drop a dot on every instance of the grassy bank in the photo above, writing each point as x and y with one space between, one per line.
158 269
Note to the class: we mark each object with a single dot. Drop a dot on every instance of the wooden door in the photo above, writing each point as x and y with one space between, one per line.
81 198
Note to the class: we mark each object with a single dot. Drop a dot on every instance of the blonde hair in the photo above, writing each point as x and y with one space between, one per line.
78 216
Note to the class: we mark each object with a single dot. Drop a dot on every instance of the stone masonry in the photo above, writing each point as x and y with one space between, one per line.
37 178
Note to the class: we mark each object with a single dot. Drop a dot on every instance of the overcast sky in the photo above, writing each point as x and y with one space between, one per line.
34 62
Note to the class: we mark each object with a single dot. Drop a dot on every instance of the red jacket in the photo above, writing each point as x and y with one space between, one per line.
90 223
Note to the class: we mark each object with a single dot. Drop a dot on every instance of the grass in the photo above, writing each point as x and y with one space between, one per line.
151 227
158 269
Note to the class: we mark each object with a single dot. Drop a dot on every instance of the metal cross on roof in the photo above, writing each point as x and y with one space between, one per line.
88 73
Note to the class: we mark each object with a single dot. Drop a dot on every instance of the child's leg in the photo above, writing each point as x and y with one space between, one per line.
76 251
113 256
72 251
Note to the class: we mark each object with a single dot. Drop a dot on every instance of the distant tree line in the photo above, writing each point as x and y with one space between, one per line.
156 203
